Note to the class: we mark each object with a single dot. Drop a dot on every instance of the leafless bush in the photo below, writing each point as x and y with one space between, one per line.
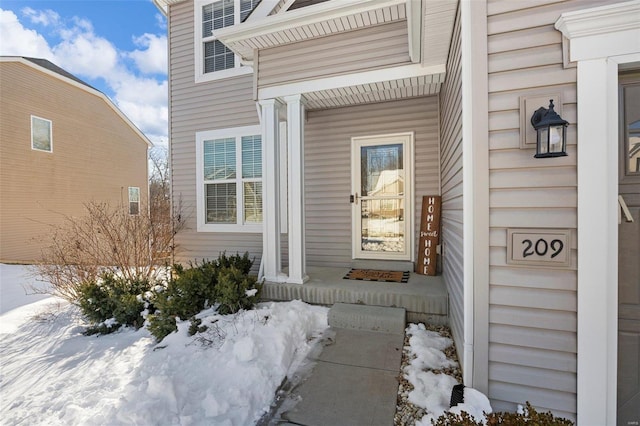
107 239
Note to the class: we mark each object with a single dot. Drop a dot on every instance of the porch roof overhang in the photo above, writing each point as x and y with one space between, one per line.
322 19
429 25
364 87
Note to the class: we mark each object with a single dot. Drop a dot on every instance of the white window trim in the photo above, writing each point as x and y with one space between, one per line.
198 47
129 197
202 226
50 134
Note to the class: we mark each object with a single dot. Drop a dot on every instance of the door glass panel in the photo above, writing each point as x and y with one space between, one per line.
382 198
632 127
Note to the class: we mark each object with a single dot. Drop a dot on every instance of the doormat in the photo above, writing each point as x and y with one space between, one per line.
376 275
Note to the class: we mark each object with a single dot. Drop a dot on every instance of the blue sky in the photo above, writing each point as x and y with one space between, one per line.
117 46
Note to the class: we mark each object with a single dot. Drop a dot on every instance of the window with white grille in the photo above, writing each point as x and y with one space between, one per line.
213 58
229 164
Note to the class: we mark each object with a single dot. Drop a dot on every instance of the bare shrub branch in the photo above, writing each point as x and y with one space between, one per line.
107 238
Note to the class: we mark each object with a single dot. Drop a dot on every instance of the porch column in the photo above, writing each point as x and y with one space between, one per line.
295 135
271 247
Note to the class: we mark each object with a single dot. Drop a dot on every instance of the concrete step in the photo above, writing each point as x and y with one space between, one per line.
367 318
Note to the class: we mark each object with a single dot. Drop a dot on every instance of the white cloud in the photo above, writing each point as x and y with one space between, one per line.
153 57
42 17
87 55
15 40
161 21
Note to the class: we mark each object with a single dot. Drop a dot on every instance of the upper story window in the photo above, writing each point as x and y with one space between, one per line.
213 59
41 134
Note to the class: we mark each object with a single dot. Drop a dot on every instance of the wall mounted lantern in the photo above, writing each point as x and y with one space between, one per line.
552 132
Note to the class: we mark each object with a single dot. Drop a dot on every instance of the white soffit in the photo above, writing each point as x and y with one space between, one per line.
374 92
437 30
309 22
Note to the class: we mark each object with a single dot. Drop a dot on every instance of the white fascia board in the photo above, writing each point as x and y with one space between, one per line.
415 15
84 87
262 10
600 20
300 17
339 81
602 31
163 5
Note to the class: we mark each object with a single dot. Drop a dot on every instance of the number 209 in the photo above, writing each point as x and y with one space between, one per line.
541 247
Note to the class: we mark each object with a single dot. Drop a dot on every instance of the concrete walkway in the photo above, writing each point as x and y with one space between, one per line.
354 380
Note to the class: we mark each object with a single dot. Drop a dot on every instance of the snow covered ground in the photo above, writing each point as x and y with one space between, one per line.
52 374
15 287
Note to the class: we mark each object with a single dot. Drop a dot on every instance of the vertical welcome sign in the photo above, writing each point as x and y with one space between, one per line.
429 234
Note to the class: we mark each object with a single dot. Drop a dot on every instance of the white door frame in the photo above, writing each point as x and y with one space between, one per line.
407 139
602 39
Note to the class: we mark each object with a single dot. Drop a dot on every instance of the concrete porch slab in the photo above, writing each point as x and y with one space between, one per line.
424 298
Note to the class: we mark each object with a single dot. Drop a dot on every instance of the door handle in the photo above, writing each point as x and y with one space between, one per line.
623 210
353 198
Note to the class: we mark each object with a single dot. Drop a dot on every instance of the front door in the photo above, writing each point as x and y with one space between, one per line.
381 197
629 253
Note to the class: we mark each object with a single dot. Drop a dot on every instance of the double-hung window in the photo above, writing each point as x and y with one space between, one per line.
214 60
229 180
134 200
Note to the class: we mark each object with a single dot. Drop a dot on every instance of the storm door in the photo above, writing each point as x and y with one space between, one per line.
629 253
381 199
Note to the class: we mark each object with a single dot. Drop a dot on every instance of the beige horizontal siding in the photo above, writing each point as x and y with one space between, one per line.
198 107
451 189
96 157
328 136
532 309
361 50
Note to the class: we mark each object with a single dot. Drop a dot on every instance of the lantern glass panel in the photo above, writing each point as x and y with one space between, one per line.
543 140
556 138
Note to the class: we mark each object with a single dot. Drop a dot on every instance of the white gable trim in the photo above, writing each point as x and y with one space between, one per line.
601 40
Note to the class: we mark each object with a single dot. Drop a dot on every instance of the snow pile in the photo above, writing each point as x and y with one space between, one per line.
433 391
53 374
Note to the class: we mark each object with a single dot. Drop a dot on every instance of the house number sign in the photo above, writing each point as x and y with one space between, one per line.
539 247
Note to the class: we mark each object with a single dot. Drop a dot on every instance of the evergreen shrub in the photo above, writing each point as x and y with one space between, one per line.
224 281
111 301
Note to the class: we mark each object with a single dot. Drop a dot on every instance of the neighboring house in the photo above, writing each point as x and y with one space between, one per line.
63 143
543 280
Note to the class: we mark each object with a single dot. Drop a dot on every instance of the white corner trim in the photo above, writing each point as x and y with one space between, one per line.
475 160
340 81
